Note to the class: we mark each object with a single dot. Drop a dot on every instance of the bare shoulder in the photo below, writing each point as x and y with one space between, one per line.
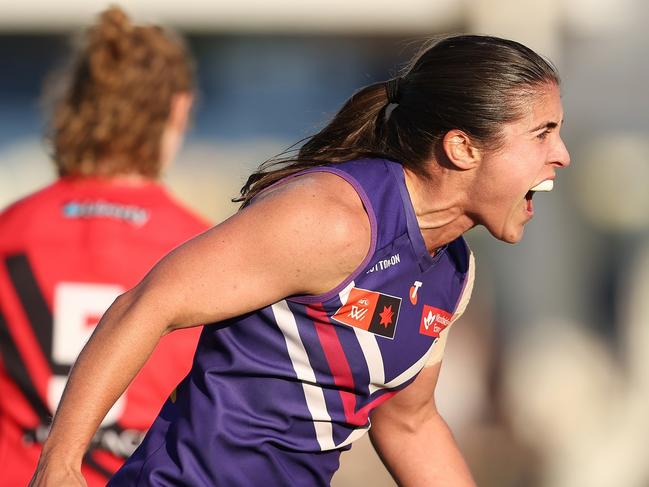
302 237
322 192
326 214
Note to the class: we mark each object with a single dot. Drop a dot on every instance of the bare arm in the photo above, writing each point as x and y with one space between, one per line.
413 440
303 238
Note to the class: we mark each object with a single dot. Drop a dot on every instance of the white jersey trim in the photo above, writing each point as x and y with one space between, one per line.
315 400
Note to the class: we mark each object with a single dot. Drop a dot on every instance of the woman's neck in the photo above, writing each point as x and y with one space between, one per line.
438 206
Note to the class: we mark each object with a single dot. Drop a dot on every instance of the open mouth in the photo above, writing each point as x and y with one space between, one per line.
544 186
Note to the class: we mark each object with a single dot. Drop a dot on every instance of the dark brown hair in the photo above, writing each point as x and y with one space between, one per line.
116 97
469 82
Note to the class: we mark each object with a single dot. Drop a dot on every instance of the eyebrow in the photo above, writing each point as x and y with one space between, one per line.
546 125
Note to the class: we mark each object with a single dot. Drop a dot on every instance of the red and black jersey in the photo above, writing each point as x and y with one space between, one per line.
66 252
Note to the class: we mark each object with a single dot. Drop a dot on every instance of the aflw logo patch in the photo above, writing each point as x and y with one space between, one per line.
433 321
371 311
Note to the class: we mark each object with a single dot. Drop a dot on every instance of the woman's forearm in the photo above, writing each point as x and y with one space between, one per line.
421 454
117 350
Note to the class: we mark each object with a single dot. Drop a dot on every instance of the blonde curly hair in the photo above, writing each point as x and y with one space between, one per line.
116 99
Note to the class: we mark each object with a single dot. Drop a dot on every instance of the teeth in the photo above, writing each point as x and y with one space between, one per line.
546 185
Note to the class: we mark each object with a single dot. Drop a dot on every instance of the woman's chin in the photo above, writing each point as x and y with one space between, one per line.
509 235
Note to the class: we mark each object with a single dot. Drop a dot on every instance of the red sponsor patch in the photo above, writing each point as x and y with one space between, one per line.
359 309
371 311
433 321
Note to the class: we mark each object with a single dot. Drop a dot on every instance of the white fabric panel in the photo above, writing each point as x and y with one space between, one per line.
315 400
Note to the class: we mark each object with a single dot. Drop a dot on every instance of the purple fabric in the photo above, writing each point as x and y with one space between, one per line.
241 417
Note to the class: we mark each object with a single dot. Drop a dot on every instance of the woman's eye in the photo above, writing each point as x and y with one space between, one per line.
543 135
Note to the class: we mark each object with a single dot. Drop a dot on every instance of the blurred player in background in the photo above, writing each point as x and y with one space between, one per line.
332 291
68 250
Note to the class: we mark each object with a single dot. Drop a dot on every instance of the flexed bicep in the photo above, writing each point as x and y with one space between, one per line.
270 250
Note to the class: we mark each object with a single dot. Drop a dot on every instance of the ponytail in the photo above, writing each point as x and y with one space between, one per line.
468 82
359 130
114 100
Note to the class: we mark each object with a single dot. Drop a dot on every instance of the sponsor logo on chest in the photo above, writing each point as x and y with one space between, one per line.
383 264
371 311
434 321
413 291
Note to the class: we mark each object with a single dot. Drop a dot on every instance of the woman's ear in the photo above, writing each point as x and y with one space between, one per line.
174 131
181 104
460 150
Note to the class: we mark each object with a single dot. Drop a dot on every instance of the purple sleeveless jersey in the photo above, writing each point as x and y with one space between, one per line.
274 396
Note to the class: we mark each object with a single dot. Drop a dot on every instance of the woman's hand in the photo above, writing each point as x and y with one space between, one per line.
49 475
